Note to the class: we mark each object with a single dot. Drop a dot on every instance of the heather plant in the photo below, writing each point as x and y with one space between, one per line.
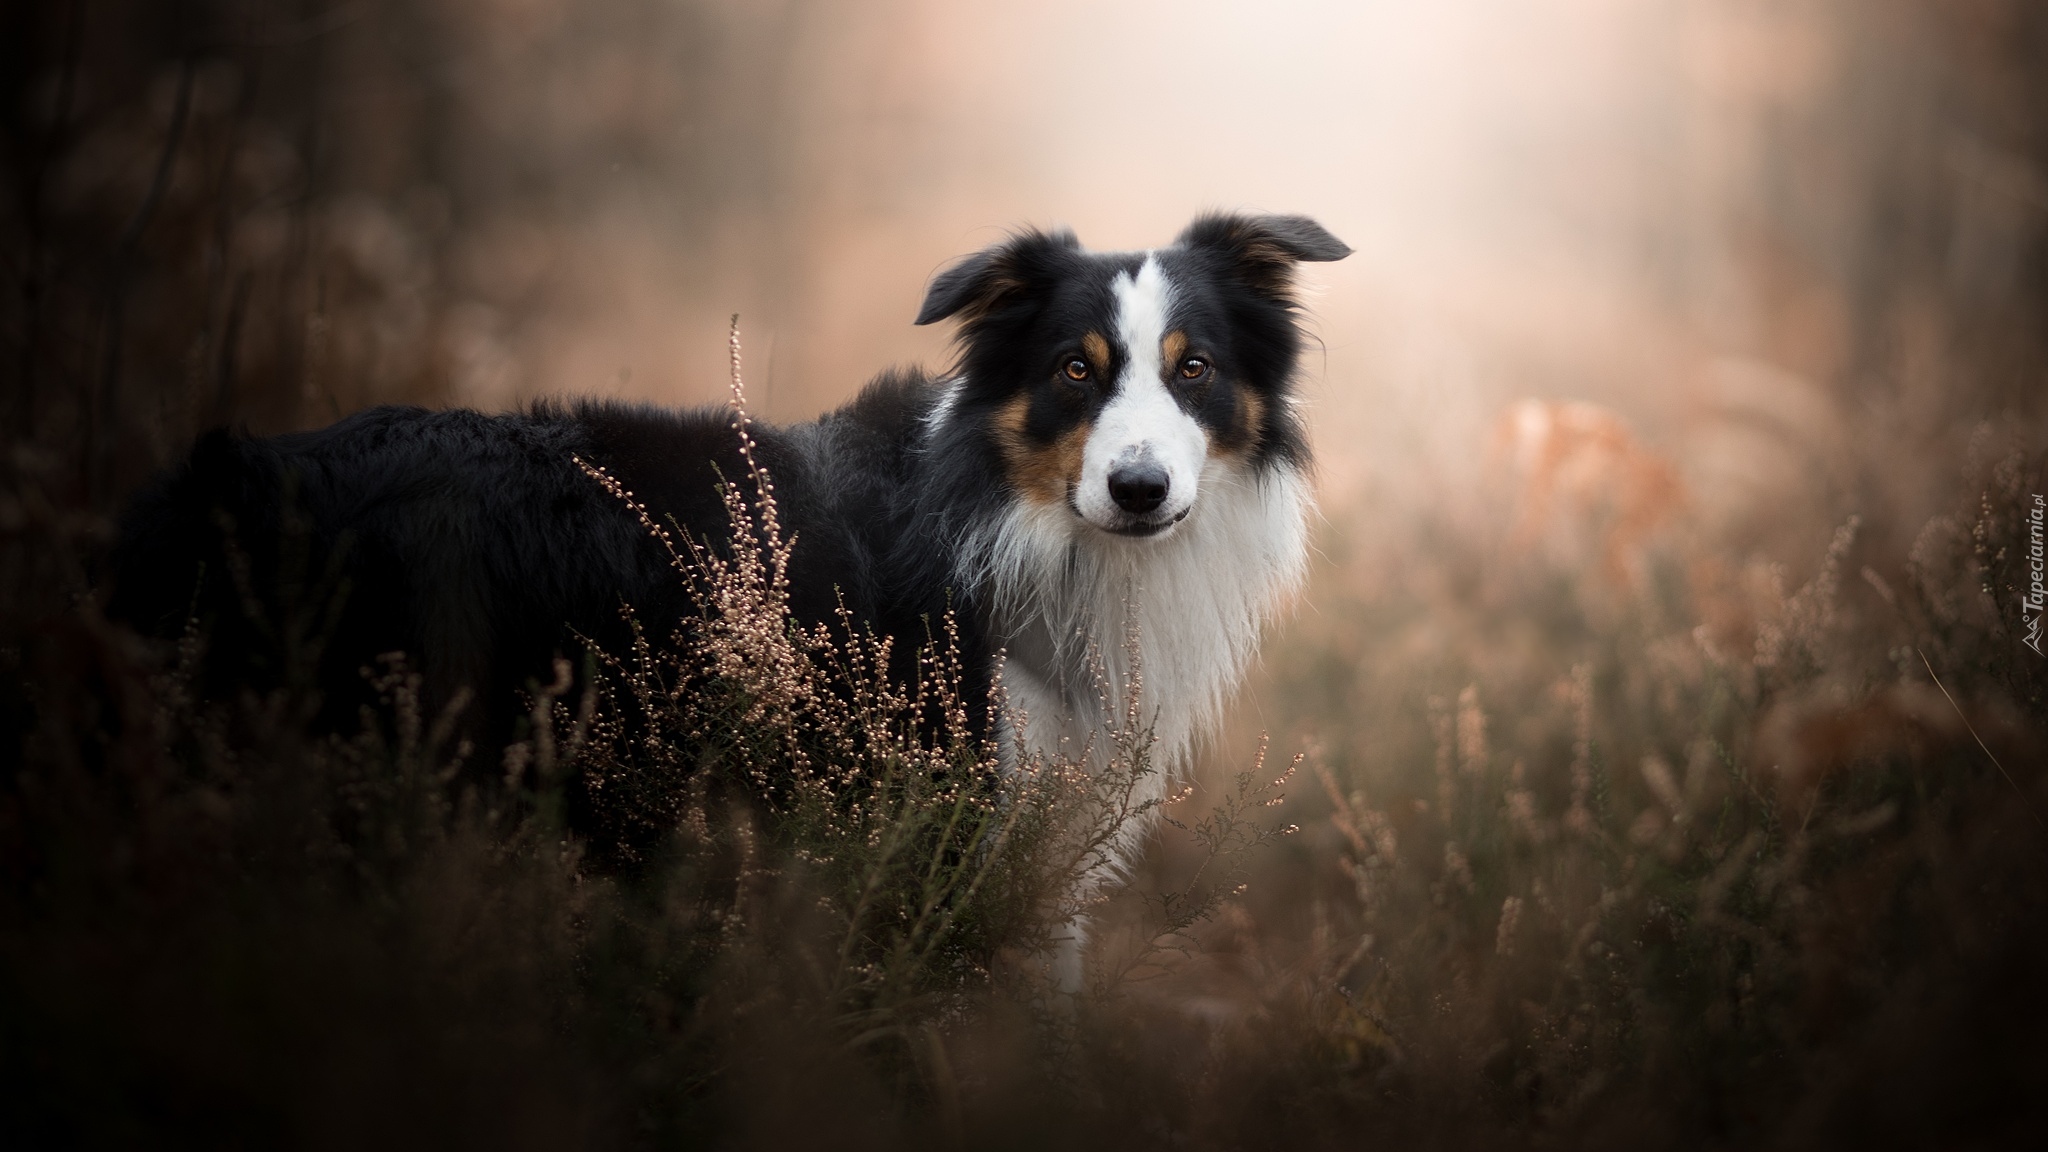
911 864
884 796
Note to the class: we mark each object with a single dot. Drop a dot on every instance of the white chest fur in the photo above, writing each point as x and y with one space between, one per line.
1070 603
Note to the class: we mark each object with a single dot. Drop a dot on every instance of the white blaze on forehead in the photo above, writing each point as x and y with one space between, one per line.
1142 306
1142 421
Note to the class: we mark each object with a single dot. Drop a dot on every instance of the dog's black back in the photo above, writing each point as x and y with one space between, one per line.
478 546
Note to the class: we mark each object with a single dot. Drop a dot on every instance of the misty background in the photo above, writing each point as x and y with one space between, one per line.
1758 233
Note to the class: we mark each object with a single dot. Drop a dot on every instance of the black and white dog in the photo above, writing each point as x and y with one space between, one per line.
1120 435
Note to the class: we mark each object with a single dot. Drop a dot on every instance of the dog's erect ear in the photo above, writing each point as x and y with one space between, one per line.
984 281
1264 248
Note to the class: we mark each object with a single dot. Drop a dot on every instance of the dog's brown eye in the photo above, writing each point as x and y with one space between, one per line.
1193 368
1077 369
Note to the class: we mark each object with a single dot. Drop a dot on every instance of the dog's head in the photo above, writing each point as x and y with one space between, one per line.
1108 381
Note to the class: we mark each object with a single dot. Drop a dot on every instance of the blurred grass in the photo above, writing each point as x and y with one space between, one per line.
1608 871
1572 867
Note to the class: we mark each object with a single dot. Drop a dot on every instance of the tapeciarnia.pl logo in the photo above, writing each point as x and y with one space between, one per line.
2036 599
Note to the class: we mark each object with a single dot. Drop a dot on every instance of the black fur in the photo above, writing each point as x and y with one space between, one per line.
477 545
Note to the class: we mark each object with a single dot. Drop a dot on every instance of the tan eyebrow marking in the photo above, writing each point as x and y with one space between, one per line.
1097 349
1173 348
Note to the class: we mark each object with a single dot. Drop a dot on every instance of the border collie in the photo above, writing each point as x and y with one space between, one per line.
1117 451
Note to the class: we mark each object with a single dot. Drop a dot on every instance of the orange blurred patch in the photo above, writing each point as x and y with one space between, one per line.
1804 740
1585 486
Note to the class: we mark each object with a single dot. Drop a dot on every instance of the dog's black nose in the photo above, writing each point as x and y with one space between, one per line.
1138 488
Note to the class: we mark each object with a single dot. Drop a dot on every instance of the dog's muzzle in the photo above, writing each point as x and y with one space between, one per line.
1141 490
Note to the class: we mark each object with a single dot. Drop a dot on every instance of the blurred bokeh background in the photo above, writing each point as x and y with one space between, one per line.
1756 231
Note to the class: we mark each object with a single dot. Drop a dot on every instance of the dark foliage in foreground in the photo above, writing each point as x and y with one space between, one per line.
1657 894
221 923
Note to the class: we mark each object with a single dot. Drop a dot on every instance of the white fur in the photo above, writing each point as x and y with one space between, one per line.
1142 423
1059 589
942 408
1063 593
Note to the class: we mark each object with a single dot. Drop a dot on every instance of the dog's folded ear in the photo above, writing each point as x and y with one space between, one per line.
995 276
1264 249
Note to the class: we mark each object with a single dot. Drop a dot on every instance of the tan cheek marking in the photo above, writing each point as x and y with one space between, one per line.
1243 438
1172 349
1042 472
1097 350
